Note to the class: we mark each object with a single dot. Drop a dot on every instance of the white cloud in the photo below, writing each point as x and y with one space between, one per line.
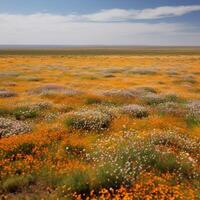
166 11
44 28
153 13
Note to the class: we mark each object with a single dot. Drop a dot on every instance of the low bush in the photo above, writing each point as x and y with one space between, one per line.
74 151
17 183
193 113
52 89
12 127
123 93
162 161
4 112
143 71
65 108
153 99
22 149
147 89
192 120
93 100
119 160
76 181
189 79
23 113
33 78
88 120
172 139
171 108
135 110
7 93
173 98
108 176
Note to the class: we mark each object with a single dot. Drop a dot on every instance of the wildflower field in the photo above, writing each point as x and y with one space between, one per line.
100 126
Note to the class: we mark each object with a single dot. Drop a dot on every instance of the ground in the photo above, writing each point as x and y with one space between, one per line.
100 126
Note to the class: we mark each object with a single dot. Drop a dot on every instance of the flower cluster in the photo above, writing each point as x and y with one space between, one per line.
7 93
194 108
12 127
135 110
54 89
88 120
118 93
171 108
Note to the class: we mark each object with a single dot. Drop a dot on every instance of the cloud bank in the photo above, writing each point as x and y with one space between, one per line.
152 13
94 29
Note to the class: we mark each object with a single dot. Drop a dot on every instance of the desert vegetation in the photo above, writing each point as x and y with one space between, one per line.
100 126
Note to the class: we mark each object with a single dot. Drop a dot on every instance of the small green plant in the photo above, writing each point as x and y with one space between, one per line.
166 162
153 99
174 98
109 76
74 151
70 122
49 177
143 71
149 89
23 149
7 94
192 120
108 176
4 112
135 111
76 181
93 100
17 183
88 120
35 79
24 113
171 108
65 108
12 127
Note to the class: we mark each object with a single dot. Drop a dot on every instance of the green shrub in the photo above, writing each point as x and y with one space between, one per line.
4 112
108 76
148 89
115 163
49 177
70 122
171 108
187 170
7 94
172 98
74 151
35 79
24 113
108 176
189 79
76 181
166 162
193 113
65 109
135 110
93 100
23 149
192 120
17 183
153 99
143 71
13 127
88 120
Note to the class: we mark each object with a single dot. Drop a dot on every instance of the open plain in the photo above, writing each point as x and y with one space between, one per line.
115 124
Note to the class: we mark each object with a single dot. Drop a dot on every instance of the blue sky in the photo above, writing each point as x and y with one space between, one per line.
96 22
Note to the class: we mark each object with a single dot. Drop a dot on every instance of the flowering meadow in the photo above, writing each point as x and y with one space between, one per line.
100 127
